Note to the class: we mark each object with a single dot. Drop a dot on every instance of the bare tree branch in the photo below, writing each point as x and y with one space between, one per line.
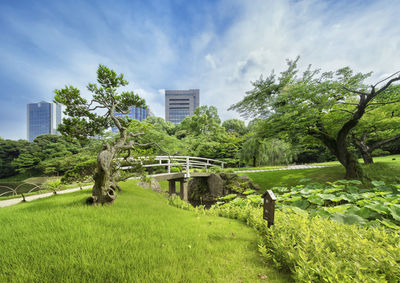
387 78
386 85
354 91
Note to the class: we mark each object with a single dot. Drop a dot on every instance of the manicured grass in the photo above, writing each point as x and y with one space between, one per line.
384 169
259 168
140 238
289 178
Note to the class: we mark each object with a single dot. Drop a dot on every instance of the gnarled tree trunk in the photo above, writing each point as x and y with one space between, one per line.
103 191
338 147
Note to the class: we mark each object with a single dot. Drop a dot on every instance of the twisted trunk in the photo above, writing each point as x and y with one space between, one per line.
365 150
338 147
103 191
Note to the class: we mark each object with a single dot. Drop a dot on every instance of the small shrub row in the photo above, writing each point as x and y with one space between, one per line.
317 249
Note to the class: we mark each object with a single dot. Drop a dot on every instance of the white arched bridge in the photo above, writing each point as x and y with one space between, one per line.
185 163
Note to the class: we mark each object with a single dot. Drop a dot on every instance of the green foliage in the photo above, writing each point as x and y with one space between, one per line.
379 127
51 155
161 125
203 136
380 152
317 249
53 185
83 121
345 201
205 121
82 172
325 106
257 151
384 169
9 150
235 126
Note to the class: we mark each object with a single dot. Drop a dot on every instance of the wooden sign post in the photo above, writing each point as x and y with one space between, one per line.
269 207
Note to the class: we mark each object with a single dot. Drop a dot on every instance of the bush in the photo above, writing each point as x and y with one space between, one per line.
176 169
318 249
380 152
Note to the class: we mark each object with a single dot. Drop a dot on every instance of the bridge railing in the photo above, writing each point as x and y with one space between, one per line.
186 162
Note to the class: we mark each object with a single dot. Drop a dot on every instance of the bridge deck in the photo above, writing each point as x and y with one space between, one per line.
178 176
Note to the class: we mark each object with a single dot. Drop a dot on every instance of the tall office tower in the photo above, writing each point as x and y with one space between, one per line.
135 113
180 104
42 118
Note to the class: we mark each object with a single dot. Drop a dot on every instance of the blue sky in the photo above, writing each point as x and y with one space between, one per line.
216 46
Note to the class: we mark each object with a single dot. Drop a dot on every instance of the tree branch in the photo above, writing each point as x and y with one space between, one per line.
347 103
384 103
344 110
386 85
387 78
354 91
380 143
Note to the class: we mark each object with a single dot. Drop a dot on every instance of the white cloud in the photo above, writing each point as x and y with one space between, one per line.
220 61
328 37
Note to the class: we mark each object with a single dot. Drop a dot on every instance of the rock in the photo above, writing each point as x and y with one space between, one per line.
244 178
215 185
228 176
154 185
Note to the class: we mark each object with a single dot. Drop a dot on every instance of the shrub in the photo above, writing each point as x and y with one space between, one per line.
318 249
380 152
176 169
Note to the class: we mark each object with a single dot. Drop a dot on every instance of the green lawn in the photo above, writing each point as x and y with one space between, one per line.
140 238
384 169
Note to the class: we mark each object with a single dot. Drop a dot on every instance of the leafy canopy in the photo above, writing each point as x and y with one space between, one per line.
84 120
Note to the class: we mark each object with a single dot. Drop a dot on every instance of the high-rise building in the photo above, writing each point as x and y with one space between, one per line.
136 113
180 103
42 118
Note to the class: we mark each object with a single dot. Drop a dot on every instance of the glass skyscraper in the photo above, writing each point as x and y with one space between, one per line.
180 103
135 113
42 118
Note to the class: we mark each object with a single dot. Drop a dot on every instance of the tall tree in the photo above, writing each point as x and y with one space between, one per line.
205 121
10 150
326 106
378 128
235 126
84 122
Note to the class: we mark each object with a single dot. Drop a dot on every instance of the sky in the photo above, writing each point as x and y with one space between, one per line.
219 47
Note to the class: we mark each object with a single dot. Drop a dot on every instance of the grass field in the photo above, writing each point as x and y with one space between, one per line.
384 169
140 238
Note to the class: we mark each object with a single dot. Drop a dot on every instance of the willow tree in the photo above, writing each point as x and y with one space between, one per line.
89 118
326 106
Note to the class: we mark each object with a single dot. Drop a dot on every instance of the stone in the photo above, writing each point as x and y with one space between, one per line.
244 178
153 185
215 185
